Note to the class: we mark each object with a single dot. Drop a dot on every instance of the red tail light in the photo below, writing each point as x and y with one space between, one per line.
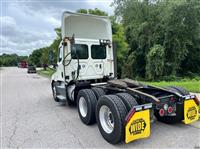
196 100
170 110
172 99
162 112
130 114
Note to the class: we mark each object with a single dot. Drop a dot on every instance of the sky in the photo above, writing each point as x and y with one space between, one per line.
29 24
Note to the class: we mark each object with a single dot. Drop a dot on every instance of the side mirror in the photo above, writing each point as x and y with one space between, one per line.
55 66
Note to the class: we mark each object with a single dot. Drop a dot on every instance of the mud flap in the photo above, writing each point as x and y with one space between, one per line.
138 124
190 111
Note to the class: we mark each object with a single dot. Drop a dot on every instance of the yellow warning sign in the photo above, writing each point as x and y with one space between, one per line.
190 111
138 127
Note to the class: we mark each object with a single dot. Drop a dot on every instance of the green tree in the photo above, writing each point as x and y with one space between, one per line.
155 62
174 25
181 38
121 45
55 45
45 57
127 66
35 57
82 11
95 11
9 59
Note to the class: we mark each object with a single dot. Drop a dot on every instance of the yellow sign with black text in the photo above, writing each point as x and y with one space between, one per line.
190 111
138 127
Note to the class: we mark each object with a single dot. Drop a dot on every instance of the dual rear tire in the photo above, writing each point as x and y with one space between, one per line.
110 115
109 111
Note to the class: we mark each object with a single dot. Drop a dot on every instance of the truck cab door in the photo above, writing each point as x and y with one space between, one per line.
98 57
60 68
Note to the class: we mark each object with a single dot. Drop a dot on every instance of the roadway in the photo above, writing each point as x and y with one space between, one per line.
31 119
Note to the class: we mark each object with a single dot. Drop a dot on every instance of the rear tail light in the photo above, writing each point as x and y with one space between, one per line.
170 110
196 100
130 114
162 112
172 99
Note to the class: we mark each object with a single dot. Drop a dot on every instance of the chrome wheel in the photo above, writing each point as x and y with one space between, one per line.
106 119
83 106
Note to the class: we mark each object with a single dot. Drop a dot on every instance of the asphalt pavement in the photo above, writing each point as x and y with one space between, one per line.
31 119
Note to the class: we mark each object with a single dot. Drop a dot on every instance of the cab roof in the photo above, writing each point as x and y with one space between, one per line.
86 26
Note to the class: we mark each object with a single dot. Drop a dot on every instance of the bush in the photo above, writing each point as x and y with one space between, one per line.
155 62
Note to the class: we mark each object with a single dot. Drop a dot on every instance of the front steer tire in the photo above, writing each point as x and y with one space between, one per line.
86 99
119 112
54 92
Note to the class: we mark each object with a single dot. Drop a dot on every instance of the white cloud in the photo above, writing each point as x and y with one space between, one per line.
54 21
22 41
7 20
29 25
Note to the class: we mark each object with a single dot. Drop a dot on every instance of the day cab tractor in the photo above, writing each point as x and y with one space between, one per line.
23 64
86 76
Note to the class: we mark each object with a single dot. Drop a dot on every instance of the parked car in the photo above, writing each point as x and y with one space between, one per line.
31 69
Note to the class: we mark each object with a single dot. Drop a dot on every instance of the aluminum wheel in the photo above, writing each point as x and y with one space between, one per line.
83 106
106 119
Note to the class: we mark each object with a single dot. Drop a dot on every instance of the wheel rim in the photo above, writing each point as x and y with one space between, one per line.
106 119
83 106
54 91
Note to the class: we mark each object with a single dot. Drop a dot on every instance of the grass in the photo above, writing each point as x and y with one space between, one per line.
47 73
191 85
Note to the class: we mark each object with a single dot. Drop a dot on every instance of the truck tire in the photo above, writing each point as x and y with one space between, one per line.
179 90
70 103
98 92
110 116
128 100
86 103
54 92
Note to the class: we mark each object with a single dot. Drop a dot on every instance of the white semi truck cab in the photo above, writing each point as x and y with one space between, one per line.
86 49
86 76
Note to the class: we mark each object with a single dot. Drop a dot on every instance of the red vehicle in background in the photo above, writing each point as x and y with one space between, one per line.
23 64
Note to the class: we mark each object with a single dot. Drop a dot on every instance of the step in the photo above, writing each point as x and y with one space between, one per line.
61 98
61 90
61 87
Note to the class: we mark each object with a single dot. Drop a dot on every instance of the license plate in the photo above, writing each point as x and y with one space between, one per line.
190 111
138 127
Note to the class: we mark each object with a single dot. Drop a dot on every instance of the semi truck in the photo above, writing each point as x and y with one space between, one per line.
86 77
23 64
